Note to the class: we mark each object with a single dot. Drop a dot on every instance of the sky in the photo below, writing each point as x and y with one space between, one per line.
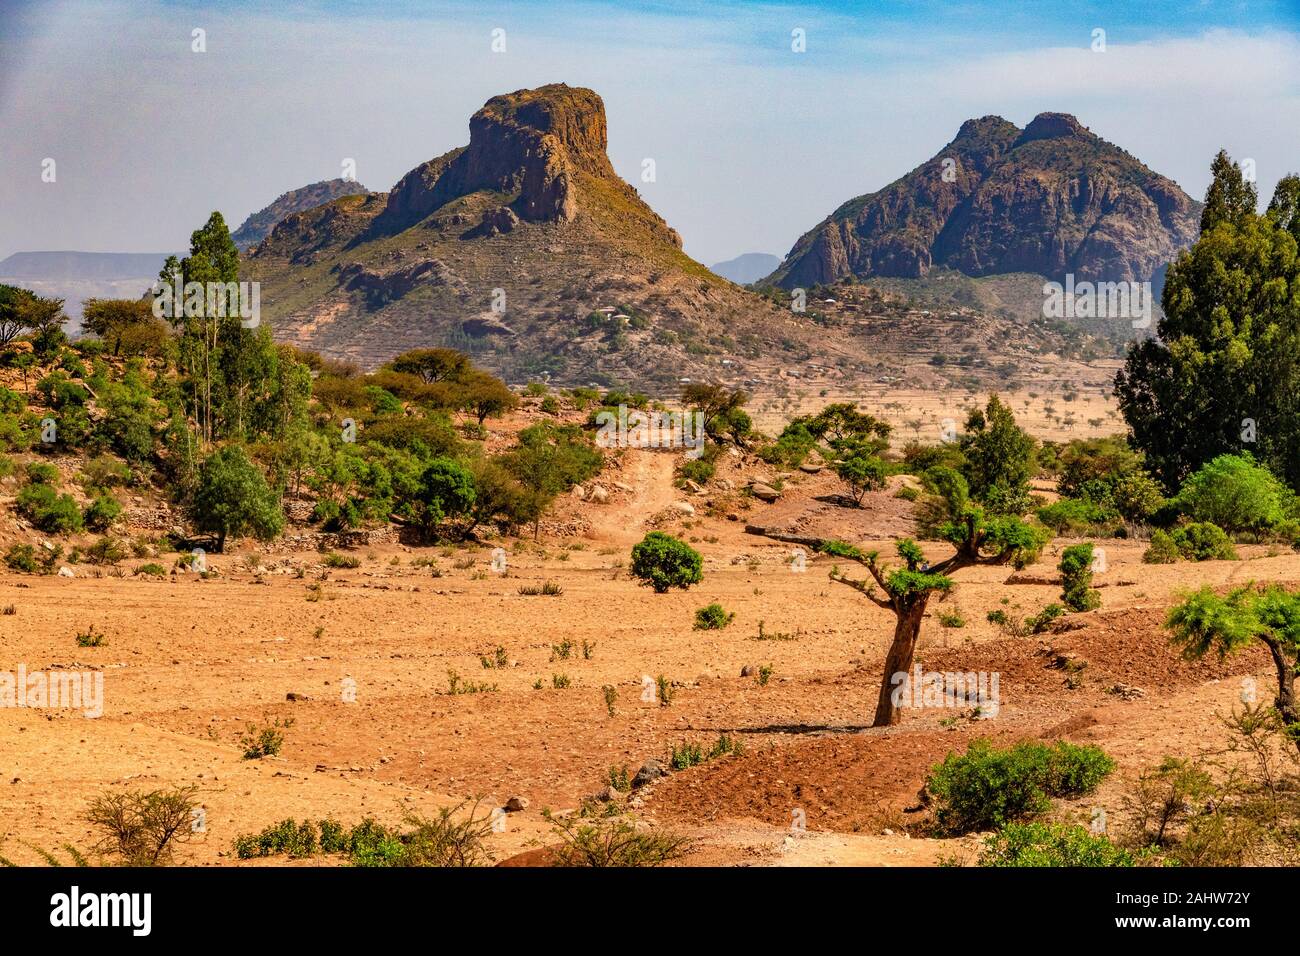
753 141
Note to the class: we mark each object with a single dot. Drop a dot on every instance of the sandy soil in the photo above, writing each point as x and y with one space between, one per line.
189 663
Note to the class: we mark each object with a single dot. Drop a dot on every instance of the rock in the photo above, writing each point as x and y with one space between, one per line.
749 670
599 494
515 804
66 572
685 507
725 484
650 771
293 695
605 794
579 492
810 467
763 492
692 487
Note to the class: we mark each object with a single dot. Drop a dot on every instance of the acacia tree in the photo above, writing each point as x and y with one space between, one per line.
1205 622
907 588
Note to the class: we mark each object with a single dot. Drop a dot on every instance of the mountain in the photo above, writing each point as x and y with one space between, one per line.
259 225
82 265
523 248
1052 198
747 268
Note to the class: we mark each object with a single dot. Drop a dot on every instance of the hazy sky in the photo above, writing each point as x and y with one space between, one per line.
753 142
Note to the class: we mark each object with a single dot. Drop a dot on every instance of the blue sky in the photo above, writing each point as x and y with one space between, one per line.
753 142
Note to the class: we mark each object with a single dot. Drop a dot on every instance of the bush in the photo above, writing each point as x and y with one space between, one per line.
42 473
152 570
1203 541
987 788
612 842
713 618
1235 493
664 562
336 560
49 511
1163 549
22 557
1074 515
143 829
101 513
1050 844
1076 578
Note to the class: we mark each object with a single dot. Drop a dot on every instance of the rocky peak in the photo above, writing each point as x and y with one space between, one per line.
529 144
1053 126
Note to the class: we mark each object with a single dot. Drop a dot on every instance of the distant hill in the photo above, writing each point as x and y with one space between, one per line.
259 225
747 268
82 265
77 276
1051 199
524 248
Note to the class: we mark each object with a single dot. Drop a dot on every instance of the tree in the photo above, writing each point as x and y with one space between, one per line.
1224 372
861 473
432 365
907 588
1000 458
548 460
232 498
1206 622
664 562
446 494
45 318
486 395
113 319
717 405
1077 591
12 322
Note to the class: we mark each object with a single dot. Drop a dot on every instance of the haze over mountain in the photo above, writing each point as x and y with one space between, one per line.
524 248
259 225
748 267
77 276
1053 198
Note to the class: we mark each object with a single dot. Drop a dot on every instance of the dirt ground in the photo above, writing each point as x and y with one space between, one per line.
189 663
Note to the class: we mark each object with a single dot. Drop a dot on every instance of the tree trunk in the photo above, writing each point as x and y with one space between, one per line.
1286 702
899 661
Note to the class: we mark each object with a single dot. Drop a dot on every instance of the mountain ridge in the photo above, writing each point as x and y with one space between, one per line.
1051 198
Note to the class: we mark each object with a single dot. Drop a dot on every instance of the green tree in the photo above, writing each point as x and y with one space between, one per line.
1206 622
1224 370
664 562
114 319
1000 458
1077 591
907 588
232 498
446 495
550 459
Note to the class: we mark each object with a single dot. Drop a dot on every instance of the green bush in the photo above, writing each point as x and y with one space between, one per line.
22 557
1163 549
987 788
1050 844
664 562
1203 541
1235 493
1074 515
42 473
713 618
1076 578
48 510
102 512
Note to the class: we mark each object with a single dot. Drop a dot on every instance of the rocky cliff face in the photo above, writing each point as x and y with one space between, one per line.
535 148
259 225
523 247
1052 198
